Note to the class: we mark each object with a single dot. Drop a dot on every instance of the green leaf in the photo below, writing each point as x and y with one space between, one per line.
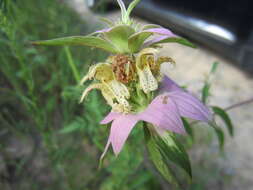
136 41
225 117
119 37
220 136
77 124
174 151
79 40
70 128
219 133
181 41
205 92
207 85
188 128
157 158
214 67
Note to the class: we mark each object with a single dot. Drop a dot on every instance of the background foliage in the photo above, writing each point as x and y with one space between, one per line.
48 140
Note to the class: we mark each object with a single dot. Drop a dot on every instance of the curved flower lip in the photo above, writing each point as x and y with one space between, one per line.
164 112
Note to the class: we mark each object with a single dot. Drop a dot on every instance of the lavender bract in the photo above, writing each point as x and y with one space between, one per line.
164 112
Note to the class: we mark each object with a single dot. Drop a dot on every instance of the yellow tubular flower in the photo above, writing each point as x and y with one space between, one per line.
147 80
148 66
111 88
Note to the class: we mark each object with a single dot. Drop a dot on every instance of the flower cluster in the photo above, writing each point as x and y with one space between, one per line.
133 84
127 81
131 80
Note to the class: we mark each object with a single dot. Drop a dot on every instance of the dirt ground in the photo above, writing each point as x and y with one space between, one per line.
230 85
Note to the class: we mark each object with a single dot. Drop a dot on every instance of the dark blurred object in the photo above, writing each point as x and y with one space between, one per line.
224 26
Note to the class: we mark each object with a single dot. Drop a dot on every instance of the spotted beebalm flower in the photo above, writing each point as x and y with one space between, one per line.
131 81
164 112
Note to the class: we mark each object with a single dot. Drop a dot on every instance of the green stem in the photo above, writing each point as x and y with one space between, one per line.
72 64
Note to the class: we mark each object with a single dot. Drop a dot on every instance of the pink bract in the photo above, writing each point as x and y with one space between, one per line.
164 112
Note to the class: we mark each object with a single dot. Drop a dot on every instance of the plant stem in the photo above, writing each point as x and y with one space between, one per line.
72 64
239 104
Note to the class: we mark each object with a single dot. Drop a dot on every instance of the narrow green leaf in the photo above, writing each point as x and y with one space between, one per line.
174 151
188 128
77 124
207 85
72 64
225 117
70 128
79 40
157 158
219 133
119 37
214 67
181 41
220 136
205 92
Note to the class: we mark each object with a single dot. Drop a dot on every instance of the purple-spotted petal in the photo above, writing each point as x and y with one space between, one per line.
120 129
169 85
111 116
163 113
189 106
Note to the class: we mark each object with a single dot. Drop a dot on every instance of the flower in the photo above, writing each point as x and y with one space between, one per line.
164 112
130 78
122 79
148 68
115 92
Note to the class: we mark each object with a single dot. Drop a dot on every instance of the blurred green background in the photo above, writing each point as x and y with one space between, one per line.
48 140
